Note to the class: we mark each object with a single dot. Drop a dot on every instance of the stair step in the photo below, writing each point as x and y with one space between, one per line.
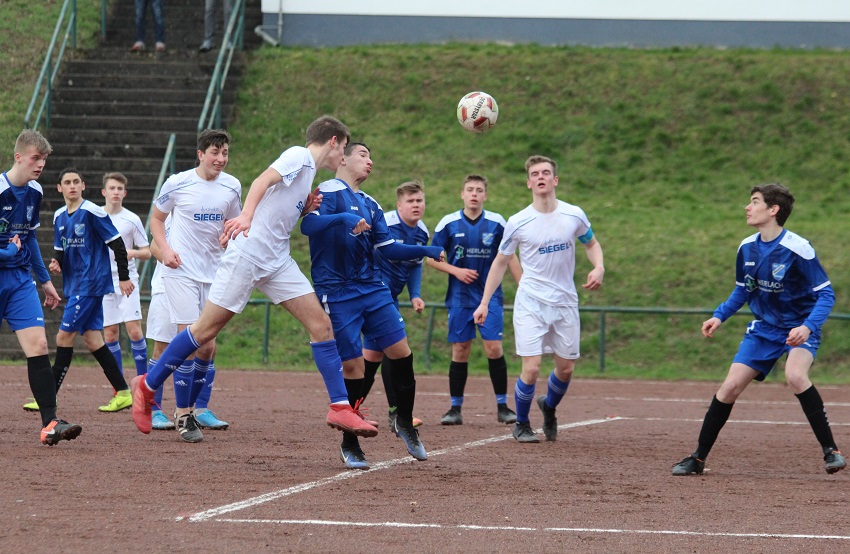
112 150
170 124
132 95
141 109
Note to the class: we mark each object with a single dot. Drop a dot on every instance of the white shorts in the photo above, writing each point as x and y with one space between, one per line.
541 328
118 308
237 277
159 326
186 298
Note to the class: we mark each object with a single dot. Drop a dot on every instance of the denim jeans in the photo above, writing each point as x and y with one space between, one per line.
158 20
209 18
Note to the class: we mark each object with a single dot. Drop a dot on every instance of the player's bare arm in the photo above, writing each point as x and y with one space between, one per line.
594 254
463 275
494 279
261 184
170 258
51 297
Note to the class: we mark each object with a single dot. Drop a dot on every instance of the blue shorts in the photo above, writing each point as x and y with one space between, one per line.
20 305
764 344
82 313
375 316
371 344
462 325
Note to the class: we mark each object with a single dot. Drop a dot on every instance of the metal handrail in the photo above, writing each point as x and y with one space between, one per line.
169 167
211 113
50 69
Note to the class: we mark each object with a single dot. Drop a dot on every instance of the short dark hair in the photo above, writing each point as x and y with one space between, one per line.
213 137
325 128
775 194
349 148
534 160
68 170
114 175
475 177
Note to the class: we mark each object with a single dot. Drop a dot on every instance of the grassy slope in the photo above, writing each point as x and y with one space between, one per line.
659 148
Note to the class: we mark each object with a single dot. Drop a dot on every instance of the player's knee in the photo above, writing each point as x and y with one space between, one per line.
320 329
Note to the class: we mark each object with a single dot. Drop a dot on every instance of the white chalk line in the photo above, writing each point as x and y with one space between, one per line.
345 475
403 525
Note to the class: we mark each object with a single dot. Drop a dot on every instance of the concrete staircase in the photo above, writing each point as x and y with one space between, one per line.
114 109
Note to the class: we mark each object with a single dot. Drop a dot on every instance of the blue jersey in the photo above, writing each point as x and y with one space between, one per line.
470 245
19 215
82 237
782 281
343 264
398 273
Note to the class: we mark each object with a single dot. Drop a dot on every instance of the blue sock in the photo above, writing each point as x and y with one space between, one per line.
183 378
199 379
556 390
140 355
204 398
501 399
115 348
328 362
173 357
523 396
457 401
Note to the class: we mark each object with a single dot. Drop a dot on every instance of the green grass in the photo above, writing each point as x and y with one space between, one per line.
660 148
26 28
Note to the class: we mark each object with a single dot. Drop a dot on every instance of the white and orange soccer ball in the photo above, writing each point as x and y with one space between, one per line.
477 112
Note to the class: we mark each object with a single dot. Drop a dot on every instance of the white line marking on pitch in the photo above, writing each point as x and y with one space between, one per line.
345 475
396 524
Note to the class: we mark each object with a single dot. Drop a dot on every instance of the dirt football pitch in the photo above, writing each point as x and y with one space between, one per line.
274 482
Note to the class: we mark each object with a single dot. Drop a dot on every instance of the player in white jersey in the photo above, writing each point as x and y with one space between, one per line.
199 201
118 308
260 259
546 305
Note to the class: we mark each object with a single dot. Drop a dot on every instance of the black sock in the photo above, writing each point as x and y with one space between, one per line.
349 440
404 384
389 388
354 387
498 374
43 387
61 364
812 405
715 418
369 377
458 372
110 368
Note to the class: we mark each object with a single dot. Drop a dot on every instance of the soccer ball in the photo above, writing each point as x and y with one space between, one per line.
477 112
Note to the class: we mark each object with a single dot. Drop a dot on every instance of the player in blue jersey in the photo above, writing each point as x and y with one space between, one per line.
261 259
118 308
344 232
546 319
777 274
83 235
20 258
470 238
406 227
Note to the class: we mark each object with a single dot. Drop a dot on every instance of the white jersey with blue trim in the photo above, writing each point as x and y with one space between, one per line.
82 237
198 209
278 212
546 244
134 236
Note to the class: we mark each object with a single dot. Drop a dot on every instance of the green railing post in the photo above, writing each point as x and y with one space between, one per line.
103 20
48 95
266 332
74 24
602 341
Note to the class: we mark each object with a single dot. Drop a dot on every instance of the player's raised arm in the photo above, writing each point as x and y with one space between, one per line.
261 184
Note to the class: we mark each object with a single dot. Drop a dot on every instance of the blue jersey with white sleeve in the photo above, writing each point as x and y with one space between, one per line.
82 237
470 245
782 281
343 264
19 215
398 273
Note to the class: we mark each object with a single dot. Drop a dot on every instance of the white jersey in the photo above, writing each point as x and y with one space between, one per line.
157 287
278 212
198 211
134 236
546 244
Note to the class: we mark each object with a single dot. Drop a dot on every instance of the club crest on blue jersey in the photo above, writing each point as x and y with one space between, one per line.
487 238
750 283
80 229
4 225
778 271
458 252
